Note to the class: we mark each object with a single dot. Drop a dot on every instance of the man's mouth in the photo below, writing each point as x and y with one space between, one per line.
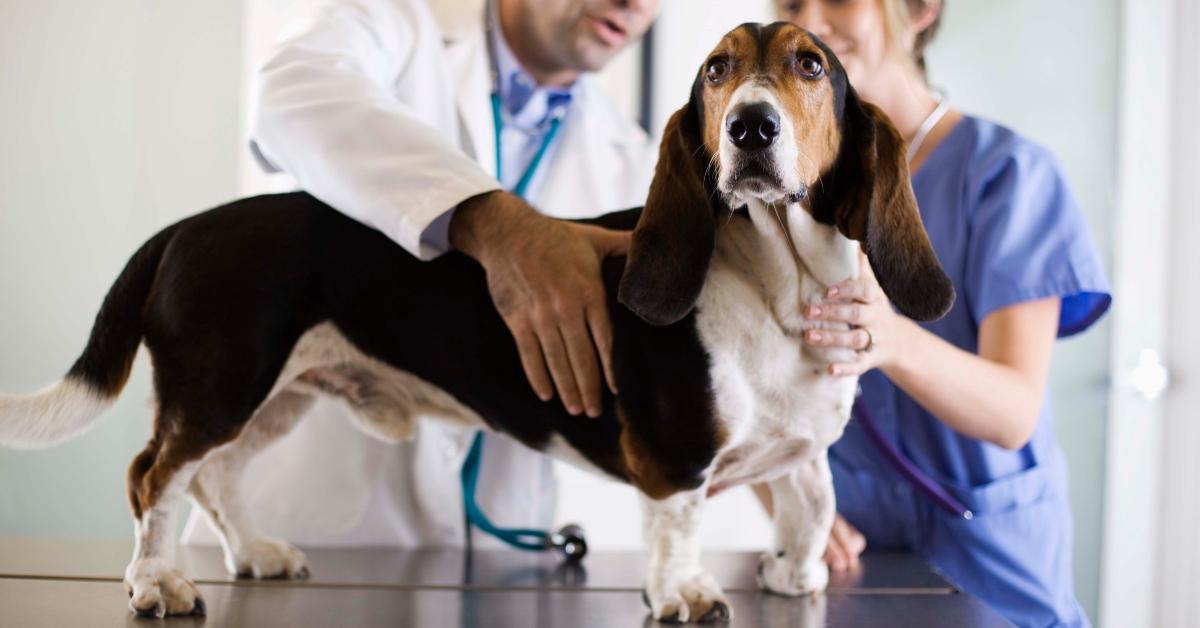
610 30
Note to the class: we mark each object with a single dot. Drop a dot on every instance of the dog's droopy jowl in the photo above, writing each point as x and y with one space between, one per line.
769 181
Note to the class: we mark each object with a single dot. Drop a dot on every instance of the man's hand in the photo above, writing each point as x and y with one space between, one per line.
544 277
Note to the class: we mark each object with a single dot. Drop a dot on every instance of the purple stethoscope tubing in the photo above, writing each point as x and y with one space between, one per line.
905 467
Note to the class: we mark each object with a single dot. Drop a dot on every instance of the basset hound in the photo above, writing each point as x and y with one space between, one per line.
769 180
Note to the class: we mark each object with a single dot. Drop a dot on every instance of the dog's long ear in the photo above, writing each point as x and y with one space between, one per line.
868 195
673 241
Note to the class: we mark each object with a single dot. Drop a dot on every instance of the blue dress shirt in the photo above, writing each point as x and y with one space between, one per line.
527 110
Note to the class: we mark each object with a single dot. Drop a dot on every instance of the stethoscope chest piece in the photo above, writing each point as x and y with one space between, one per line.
570 541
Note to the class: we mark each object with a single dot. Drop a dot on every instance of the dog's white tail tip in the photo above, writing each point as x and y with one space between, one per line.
51 416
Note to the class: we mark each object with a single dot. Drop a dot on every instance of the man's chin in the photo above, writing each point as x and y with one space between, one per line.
592 55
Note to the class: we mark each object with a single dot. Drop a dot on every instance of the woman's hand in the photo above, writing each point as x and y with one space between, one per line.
877 331
846 544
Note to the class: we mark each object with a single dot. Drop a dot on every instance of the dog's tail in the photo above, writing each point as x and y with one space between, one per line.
67 408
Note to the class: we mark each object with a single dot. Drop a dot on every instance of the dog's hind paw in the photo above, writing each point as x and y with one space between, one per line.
779 573
157 590
698 598
266 558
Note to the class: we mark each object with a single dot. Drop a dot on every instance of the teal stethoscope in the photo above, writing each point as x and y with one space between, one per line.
569 539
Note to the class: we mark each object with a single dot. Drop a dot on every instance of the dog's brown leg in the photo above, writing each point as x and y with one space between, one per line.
189 424
215 490
157 478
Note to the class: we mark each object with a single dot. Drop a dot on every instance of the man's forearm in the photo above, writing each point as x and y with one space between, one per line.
327 113
482 220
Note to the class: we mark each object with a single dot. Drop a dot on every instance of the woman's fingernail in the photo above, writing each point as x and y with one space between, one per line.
834 370
814 336
833 291
814 311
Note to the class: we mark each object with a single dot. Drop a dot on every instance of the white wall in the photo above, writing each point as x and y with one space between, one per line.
117 117
1178 606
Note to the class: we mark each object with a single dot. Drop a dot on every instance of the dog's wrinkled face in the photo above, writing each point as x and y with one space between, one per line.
772 118
769 98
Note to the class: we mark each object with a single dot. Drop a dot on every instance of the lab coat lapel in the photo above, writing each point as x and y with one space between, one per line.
587 176
570 187
468 56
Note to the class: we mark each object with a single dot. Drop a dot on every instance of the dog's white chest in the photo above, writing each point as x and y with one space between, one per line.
773 396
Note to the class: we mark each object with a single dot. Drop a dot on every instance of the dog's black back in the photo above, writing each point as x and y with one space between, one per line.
239 285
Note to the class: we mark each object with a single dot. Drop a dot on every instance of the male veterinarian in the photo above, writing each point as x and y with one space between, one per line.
414 117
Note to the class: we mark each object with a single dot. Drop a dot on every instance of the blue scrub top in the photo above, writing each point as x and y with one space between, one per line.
1007 229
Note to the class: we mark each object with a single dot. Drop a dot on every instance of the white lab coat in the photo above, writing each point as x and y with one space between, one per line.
381 109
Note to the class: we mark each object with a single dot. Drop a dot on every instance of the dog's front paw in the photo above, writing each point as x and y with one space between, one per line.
157 589
779 573
269 558
697 598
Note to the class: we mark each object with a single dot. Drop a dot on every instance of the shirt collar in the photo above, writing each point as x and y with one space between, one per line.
529 106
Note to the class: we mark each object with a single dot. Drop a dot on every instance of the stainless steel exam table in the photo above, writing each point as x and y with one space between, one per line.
58 584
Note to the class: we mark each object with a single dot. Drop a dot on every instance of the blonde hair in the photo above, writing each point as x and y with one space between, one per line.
897 14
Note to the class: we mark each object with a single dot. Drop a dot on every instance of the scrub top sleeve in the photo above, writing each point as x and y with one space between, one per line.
1028 240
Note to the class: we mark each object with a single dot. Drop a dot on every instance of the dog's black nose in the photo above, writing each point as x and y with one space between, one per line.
753 126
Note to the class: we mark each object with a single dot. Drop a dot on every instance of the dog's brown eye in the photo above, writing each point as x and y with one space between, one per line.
810 67
717 70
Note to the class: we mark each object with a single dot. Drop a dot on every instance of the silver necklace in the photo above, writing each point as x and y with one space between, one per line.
931 121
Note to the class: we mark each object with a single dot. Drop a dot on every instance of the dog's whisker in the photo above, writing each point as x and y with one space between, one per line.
787 234
811 163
